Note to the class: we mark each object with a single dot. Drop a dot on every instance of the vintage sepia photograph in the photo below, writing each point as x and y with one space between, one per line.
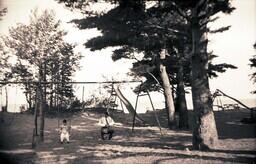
127 81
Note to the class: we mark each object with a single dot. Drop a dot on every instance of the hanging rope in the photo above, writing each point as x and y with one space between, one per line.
152 105
158 122
110 100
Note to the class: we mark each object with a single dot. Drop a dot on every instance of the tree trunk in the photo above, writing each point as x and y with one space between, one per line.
52 87
35 132
36 109
41 107
51 100
6 100
181 101
45 85
41 115
204 132
30 102
51 95
28 96
167 91
1 108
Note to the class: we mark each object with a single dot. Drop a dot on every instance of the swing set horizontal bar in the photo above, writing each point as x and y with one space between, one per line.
71 82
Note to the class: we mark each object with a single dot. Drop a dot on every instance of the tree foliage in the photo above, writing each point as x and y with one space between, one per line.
42 54
4 56
136 29
2 12
181 28
4 64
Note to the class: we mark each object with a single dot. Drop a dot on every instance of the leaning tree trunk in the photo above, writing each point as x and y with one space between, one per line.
204 132
167 91
181 100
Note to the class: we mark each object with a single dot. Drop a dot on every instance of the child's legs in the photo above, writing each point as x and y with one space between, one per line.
111 131
102 132
62 137
67 136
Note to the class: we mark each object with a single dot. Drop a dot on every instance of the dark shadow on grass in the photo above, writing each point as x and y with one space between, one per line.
229 125
251 152
202 159
17 158
171 156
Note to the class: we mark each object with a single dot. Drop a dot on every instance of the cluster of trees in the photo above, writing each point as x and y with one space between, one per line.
253 65
3 54
44 63
172 35
178 29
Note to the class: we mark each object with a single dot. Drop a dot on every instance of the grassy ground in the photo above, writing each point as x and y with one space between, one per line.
145 145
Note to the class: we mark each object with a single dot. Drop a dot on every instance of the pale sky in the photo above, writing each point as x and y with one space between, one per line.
233 46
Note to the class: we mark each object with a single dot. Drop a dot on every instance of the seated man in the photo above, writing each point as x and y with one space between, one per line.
64 131
106 121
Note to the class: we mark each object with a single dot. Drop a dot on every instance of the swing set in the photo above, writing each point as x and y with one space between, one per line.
219 93
116 93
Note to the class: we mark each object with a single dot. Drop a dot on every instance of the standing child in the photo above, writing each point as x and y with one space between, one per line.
64 131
